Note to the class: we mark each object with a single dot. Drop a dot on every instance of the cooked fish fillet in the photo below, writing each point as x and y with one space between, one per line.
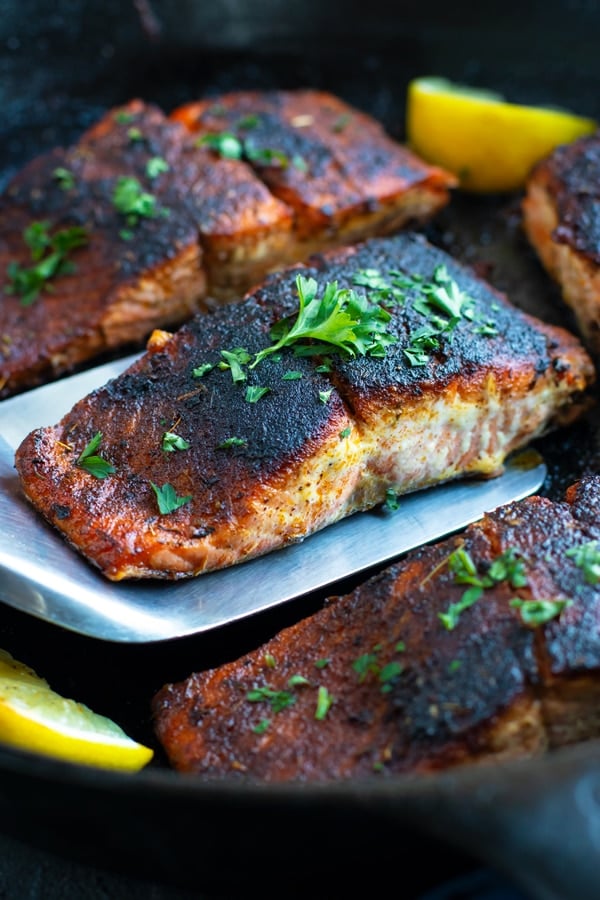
127 279
189 228
333 166
381 681
561 215
329 436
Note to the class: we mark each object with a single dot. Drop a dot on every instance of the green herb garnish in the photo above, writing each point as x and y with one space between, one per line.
202 369
232 442
172 442
234 360
156 166
65 178
341 318
130 199
167 498
587 558
325 395
92 462
392 501
49 254
254 393
324 703
538 612
262 726
506 567
278 700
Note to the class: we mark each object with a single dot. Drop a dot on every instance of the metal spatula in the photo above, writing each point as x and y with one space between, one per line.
40 574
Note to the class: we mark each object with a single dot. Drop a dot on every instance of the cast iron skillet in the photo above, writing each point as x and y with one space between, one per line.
61 65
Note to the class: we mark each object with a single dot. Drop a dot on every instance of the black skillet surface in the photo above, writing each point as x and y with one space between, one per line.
61 65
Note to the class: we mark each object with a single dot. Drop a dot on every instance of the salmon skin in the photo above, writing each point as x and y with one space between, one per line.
479 648
560 217
140 225
211 455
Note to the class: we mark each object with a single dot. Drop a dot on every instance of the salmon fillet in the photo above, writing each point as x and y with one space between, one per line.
159 227
408 673
561 217
278 447
333 166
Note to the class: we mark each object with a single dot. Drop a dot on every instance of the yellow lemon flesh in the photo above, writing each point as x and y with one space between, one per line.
35 718
489 144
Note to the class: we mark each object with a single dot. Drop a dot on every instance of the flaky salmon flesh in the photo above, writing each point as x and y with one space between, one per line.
232 437
145 221
480 648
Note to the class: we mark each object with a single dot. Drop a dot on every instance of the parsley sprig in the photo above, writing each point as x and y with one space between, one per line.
587 558
229 146
167 499
49 255
132 201
506 567
92 462
341 318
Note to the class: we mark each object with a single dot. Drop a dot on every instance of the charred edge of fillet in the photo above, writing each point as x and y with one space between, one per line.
572 171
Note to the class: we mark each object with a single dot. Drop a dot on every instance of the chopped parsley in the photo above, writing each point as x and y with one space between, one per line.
167 499
92 462
202 369
506 567
230 442
49 255
587 558
229 146
340 317
172 442
292 375
156 166
123 117
234 360
262 726
64 178
392 501
255 392
322 662
345 432
132 201
324 703
538 612
386 673
278 700
134 135
325 395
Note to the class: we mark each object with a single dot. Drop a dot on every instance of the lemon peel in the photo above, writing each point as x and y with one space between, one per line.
491 145
35 718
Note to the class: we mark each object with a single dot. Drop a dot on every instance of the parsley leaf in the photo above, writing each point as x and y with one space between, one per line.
255 392
132 201
587 558
538 612
167 498
49 254
341 317
65 178
324 703
93 463
155 166
172 442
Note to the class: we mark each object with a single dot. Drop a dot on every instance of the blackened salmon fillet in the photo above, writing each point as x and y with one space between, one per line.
561 216
212 448
337 171
480 648
140 225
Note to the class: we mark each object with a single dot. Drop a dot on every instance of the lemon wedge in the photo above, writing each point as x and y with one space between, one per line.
33 717
489 144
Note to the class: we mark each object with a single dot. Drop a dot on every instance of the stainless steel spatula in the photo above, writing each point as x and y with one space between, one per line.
41 575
